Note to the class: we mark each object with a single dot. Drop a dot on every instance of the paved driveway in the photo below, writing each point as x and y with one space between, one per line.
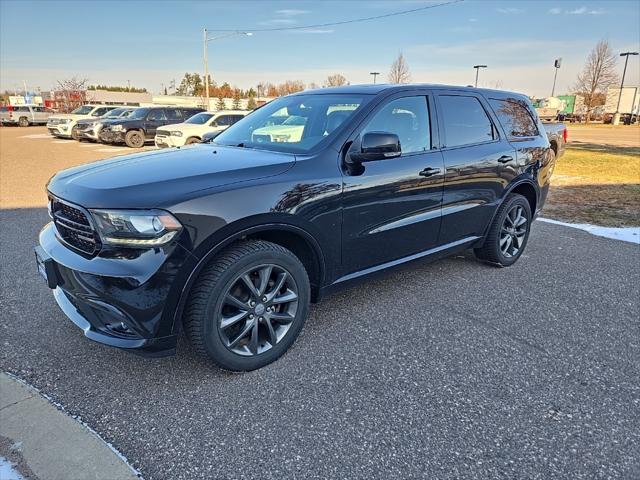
448 370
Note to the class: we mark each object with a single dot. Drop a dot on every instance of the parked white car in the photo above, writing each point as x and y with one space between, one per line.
65 125
192 130
24 115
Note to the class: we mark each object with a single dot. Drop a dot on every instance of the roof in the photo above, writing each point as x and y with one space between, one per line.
376 88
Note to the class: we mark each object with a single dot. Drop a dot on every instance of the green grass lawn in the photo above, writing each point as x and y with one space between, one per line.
596 184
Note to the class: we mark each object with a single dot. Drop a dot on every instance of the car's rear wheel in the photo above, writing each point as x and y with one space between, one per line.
134 139
23 121
248 305
508 234
192 140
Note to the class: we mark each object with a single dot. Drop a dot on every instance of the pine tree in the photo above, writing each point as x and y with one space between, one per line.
251 104
220 105
236 100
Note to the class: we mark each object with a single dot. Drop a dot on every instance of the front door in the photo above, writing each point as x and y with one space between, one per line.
392 207
156 118
479 164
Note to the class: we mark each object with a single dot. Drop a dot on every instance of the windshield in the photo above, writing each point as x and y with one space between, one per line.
293 124
138 113
84 110
117 113
199 119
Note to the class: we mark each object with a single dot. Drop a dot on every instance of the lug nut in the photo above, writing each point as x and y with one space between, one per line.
252 303
261 319
251 316
264 299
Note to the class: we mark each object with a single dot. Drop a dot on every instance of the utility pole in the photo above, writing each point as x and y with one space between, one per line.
478 67
616 116
375 74
556 64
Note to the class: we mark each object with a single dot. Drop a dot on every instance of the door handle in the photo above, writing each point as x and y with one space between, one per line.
505 159
429 172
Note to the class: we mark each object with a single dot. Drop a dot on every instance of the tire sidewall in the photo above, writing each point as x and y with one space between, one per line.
74 133
213 341
131 134
513 201
23 122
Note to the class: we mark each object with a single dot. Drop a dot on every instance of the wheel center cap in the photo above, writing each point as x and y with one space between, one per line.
259 309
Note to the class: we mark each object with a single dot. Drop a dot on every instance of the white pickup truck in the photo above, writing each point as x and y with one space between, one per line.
24 115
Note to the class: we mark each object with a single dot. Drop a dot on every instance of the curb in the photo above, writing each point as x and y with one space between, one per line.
53 445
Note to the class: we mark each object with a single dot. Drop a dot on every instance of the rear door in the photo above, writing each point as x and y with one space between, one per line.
479 164
392 207
155 118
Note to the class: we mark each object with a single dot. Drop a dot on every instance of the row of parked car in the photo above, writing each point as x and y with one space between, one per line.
135 126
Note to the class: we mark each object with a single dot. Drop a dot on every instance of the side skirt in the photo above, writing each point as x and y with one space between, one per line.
431 255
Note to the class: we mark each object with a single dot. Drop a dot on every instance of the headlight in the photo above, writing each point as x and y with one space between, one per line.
65 120
175 133
280 138
136 228
117 128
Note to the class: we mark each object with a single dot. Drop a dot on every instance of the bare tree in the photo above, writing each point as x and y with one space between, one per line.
399 72
336 80
598 74
71 93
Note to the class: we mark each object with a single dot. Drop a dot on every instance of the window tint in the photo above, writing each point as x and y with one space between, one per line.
22 109
515 117
409 119
156 115
223 121
100 111
465 121
234 118
175 114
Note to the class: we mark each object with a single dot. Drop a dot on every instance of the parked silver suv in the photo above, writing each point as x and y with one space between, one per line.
24 115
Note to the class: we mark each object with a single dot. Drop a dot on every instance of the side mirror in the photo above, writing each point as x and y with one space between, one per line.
377 146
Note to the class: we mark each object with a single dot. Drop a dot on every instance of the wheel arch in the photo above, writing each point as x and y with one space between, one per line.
292 237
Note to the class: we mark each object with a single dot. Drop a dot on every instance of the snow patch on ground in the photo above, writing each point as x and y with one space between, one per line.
626 234
7 472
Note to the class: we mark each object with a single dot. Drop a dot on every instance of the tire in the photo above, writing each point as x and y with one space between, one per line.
74 133
233 347
507 236
134 139
192 140
23 121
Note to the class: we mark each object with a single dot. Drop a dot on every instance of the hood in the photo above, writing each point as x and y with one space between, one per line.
72 116
164 178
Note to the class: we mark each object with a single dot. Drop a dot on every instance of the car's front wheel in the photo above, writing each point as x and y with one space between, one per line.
248 305
508 233
23 122
134 139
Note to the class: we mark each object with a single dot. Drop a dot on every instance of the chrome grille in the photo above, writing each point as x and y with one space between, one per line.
73 226
163 133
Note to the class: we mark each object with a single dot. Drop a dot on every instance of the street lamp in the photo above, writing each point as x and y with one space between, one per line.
478 67
616 116
208 39
556 64
375 74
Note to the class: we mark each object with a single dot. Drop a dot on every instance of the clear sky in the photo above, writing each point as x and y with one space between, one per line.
150 43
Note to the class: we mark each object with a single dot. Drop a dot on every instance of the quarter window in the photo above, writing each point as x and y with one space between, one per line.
408 118
515 117
156 115
465 121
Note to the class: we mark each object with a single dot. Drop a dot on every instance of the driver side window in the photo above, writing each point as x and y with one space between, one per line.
408 118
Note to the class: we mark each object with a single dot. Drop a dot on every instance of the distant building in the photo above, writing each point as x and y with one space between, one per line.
105 97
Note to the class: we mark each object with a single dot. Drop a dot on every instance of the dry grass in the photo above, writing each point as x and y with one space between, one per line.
596 184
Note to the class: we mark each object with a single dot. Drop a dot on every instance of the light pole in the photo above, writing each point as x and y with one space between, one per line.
478 67
616 116
556 64
375 74
208 39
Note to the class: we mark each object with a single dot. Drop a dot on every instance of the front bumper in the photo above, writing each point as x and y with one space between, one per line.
168 141
122 299
107 135
90 133
60 130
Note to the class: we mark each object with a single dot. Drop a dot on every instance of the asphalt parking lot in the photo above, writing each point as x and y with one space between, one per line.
448 370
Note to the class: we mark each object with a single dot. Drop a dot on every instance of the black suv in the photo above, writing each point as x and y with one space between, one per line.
141 125
233 239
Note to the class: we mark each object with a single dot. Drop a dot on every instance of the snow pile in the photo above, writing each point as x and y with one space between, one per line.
626 234
7 472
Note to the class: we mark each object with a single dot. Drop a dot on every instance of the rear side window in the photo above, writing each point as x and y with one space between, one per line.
465 121
514 117
223 121
174 114
156 115
22 109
